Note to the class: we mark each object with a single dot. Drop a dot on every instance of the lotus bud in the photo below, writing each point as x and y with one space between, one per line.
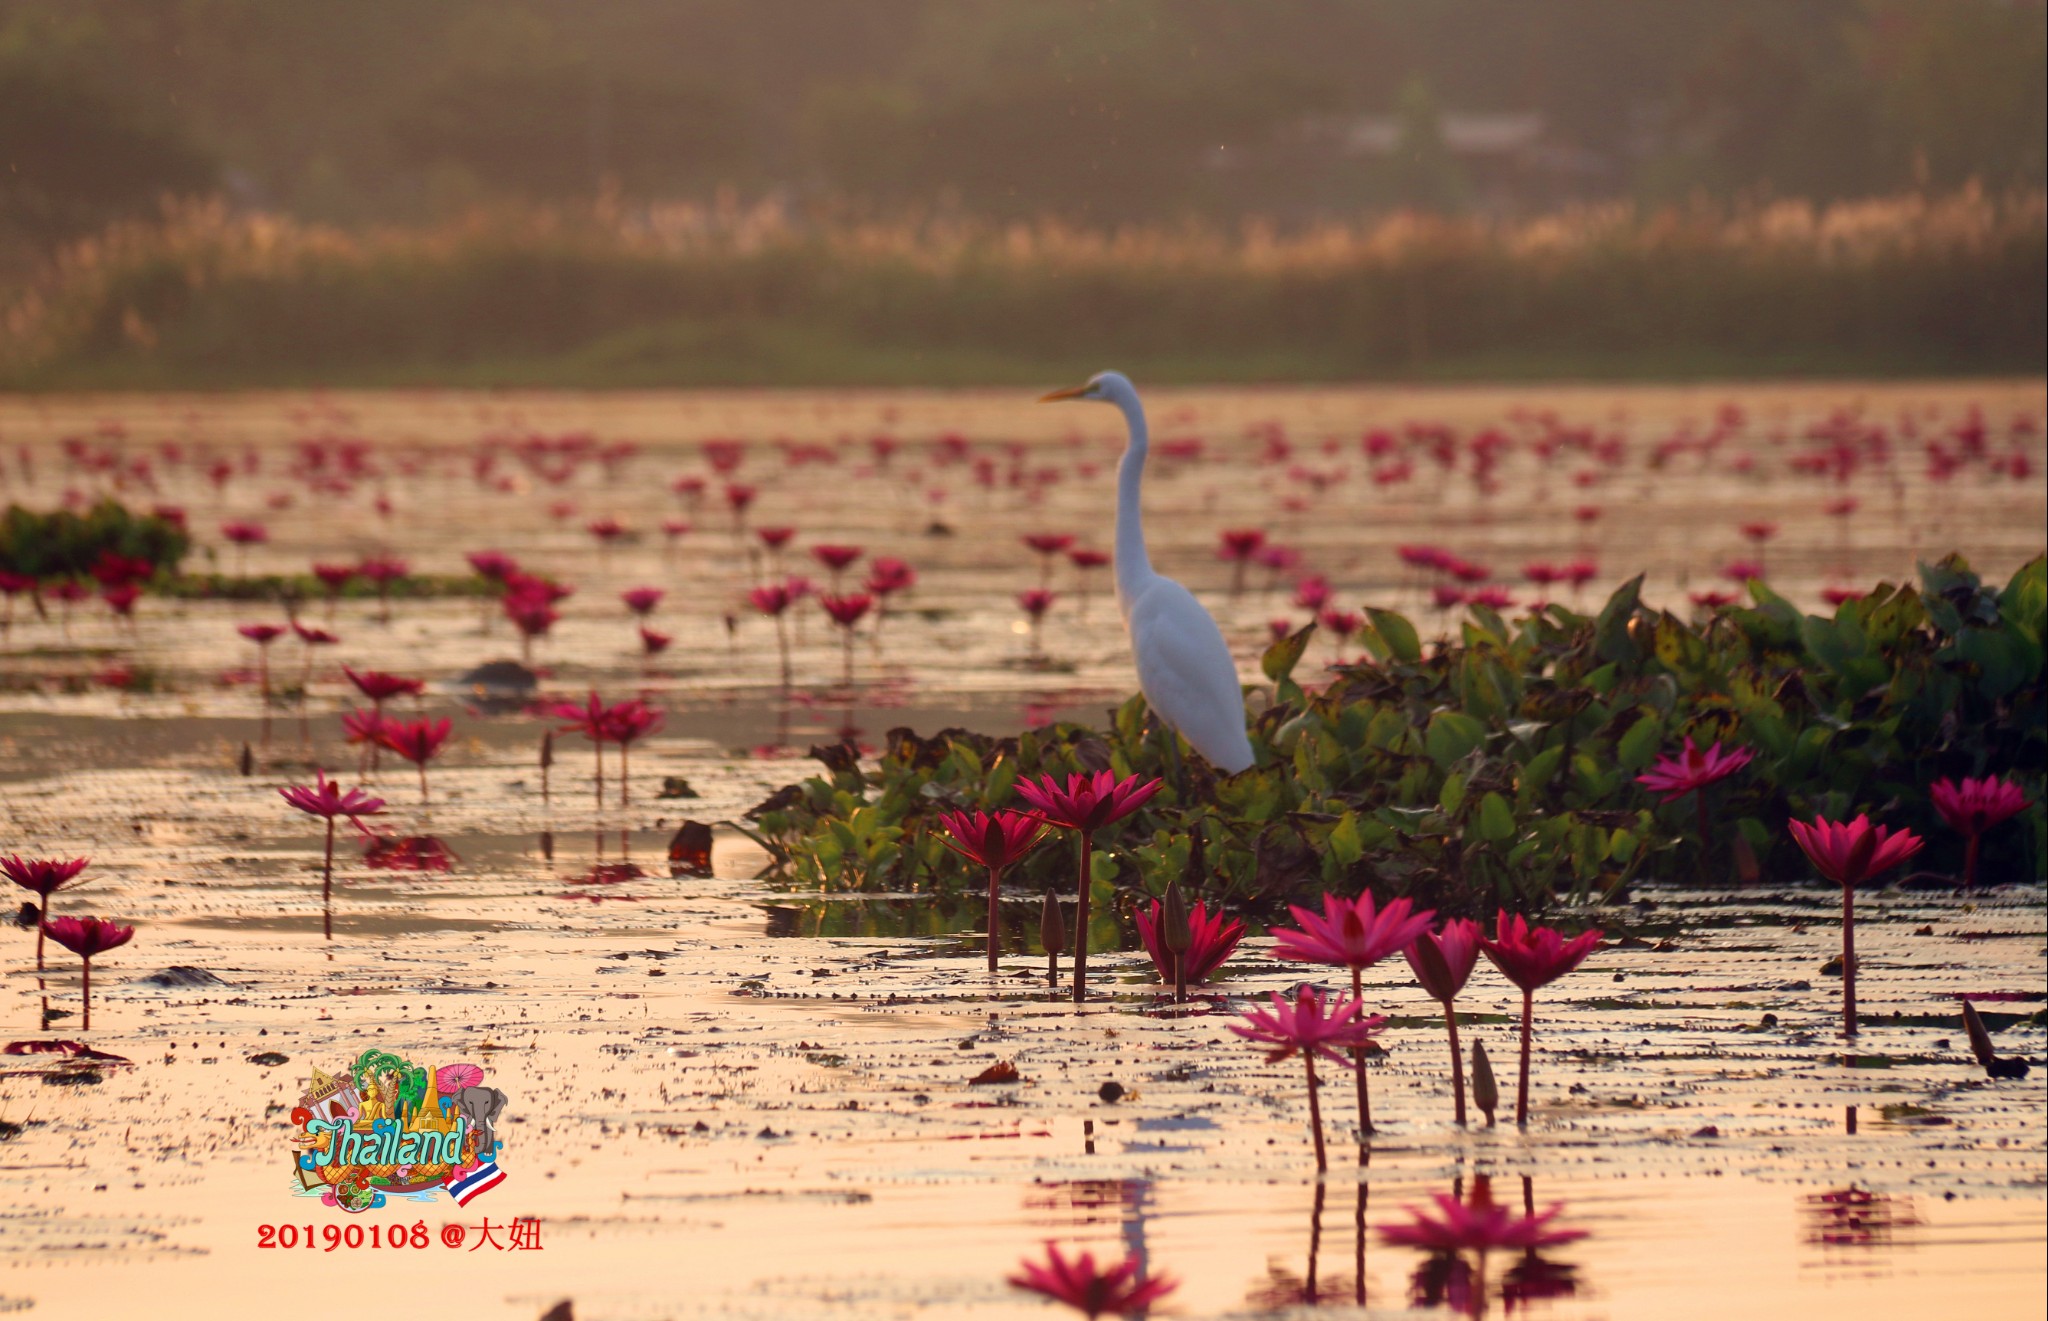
1052 933
1174 930
1052 926
1485 1092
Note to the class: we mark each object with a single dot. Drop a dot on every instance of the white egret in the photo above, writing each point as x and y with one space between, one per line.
1184 666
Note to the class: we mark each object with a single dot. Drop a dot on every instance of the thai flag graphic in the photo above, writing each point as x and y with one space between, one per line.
475 1183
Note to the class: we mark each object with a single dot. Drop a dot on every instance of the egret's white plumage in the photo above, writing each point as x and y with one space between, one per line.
1184 666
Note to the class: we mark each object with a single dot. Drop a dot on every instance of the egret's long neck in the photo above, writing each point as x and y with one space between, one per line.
1133 566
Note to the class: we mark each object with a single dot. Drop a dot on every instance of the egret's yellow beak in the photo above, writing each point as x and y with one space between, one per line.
1071 392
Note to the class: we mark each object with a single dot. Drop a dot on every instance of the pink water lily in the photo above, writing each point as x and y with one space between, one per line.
1531 957
1213 938
1972 807
43 877
1312 1026
1442 961
1690 772
324 798
1352 933
995 840
85 937
1850 853
1086 804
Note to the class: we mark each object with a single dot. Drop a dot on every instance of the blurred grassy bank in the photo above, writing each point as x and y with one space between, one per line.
687 296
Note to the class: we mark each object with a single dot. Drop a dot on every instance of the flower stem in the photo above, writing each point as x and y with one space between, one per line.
1522 1087
327 886
1457 1062
1849 961
1081 924
995 881
1315 1113
624 781
1365 1128
1970 863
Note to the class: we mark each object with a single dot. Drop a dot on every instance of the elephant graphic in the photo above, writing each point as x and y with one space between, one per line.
482 1105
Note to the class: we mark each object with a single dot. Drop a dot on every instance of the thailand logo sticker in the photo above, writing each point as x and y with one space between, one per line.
387 1126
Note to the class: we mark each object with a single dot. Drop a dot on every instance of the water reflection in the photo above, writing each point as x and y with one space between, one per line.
408 853
1460 1234
1854 1217
1281 1287
1080 1203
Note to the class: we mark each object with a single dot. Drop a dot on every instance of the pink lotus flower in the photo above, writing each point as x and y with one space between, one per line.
417 741
774 601
1478 1225
836 559
653 643
1850 853
771 600
1531 957
995 841
1351 933
992 839
626 723
1690 772
334 577
887 576
1085 805
642 600
493 565
1972 807
1088 802
1442 961
380 687
846 611
1213 938
1238 545
86 937
775 538
324 798
1036 601
42 877
1094 1292
1312 1027
362 727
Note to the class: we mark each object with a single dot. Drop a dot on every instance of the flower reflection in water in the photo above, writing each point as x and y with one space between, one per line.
1854 1217
1479 1225
408 853
1079 1203
1282 1288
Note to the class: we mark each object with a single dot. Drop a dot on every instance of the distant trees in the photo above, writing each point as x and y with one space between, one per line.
1102 110
75 154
